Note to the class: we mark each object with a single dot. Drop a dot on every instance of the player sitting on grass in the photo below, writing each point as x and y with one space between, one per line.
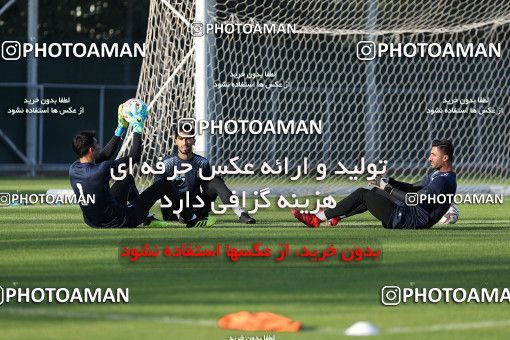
207 190
91 174
387 201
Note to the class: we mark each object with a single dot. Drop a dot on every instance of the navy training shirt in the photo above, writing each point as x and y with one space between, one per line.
190 182
94 179
425 215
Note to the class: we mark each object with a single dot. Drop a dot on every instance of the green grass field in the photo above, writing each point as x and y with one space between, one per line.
50 246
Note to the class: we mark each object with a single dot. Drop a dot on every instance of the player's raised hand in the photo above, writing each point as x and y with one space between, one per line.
141 112
122 124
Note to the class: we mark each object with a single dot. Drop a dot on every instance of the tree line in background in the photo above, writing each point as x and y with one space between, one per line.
79 20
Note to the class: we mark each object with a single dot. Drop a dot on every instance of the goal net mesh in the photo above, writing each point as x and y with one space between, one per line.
387 108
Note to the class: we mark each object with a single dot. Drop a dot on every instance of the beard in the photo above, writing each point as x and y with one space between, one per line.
435 166
185 150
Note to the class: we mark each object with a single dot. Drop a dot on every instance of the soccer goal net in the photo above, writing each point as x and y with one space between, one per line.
382 78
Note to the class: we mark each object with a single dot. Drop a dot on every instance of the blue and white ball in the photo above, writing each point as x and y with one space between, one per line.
133 108
451 216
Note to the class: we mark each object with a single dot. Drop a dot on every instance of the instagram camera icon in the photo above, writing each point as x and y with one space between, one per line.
186 127
11 50
411 199
365 50
5 199
197 29
390 295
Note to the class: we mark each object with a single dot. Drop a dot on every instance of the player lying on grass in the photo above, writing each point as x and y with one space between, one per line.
387 201
120 206
207 190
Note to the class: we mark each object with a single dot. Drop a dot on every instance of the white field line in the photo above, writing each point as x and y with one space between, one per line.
45 312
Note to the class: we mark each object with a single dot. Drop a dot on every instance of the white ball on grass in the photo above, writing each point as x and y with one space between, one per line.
451 216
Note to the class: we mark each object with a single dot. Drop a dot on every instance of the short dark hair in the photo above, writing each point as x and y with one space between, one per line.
446 146
83 141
